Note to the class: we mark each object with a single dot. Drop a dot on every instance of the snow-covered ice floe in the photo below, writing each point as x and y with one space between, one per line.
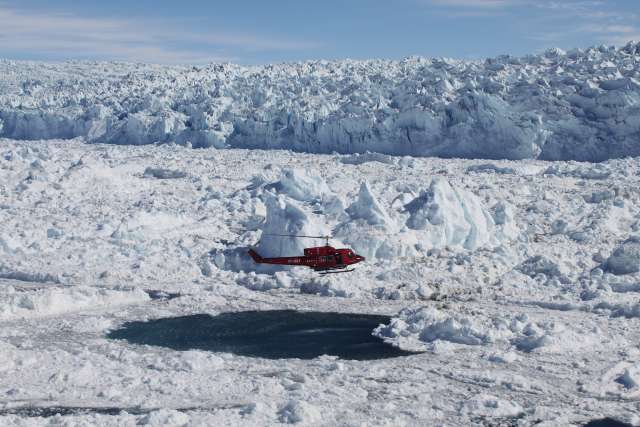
478 269
427 327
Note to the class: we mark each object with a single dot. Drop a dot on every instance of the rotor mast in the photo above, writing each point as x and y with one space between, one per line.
325 238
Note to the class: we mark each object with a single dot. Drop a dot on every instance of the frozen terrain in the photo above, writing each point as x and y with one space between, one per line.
576 105
519 281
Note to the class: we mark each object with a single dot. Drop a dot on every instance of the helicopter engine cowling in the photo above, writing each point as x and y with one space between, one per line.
320 251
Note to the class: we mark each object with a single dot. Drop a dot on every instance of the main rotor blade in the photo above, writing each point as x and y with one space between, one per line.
296 235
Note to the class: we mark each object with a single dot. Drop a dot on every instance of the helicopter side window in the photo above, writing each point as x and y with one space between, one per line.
350 254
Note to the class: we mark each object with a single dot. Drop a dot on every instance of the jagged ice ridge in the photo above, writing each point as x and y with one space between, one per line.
576 105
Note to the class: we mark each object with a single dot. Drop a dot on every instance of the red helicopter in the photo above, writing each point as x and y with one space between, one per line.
324 259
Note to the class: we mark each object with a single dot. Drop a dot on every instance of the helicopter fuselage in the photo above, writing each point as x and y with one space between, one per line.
321 258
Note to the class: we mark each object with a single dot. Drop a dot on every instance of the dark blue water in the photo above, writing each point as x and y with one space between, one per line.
606 422
52 411
278 334
161 295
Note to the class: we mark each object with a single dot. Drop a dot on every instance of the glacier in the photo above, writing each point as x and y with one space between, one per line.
582 104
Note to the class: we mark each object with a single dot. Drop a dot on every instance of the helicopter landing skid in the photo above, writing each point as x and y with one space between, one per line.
336 272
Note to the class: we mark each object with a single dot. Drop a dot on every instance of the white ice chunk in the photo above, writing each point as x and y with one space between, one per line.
299 411
285 220
58 300
302 185
368 208
625 259
451 217
484 405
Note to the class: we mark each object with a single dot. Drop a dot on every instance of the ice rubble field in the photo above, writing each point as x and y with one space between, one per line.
519 280
575 105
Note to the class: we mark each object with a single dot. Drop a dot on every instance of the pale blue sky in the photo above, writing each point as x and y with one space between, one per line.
264 31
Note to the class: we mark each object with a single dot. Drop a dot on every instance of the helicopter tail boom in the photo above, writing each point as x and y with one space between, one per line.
290 260
256 257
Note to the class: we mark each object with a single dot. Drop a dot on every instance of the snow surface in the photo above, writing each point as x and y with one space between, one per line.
519 280
575 105
511 278
49 301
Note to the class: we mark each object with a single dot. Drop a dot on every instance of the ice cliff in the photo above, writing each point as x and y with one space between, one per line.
575 105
